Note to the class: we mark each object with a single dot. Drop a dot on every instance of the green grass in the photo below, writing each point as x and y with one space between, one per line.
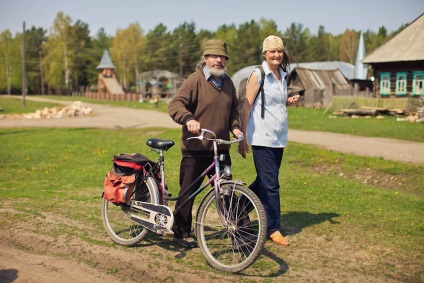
337 209
15 105
354 216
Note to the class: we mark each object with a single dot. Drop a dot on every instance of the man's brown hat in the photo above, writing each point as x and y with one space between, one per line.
216 47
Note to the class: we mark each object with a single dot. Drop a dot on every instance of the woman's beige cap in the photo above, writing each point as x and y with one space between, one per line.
272 42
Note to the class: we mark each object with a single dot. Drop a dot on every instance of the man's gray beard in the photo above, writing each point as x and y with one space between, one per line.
214 72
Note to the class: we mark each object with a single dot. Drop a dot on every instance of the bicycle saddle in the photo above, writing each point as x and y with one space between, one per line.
160 144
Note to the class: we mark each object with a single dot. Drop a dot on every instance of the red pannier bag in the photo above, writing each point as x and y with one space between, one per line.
119 183
118 189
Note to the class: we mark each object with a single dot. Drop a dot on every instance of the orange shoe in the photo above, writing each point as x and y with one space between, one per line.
277 238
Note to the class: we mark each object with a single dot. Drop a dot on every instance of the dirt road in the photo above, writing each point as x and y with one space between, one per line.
106 116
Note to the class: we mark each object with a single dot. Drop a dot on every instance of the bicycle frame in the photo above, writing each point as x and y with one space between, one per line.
214 178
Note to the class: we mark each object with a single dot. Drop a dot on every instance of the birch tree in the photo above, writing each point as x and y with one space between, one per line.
6 62
58 55
126 52
348 46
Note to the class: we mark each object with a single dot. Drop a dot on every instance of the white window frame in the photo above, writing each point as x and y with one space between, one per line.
385 83
401 83
417 83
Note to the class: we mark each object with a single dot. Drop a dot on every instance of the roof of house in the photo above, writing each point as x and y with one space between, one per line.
321 79
347 69
408 45
105 62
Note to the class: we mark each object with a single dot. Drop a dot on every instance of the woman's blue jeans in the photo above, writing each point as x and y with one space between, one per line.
266 186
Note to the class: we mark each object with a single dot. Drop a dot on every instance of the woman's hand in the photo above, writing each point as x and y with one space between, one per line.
294 100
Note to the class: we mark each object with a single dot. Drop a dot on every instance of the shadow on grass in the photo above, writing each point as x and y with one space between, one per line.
164 242
294 222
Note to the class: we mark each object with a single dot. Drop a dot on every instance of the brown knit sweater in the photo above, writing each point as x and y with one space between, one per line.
215 109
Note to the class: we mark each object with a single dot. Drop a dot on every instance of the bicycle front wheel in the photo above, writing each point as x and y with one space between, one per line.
120 228
231 229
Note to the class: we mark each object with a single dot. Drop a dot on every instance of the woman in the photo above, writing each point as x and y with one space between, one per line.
268 135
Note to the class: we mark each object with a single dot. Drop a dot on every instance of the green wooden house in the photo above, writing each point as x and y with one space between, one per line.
399 64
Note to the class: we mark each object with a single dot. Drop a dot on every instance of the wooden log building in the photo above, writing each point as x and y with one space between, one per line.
399 64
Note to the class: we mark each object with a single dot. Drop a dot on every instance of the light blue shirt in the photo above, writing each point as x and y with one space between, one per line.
271 131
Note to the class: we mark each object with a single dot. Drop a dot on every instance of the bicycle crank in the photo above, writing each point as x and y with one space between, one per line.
155 217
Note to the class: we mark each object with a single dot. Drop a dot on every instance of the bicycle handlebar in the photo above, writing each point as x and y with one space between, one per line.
202 136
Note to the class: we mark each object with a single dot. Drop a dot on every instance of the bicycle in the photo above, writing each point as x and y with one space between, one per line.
230 224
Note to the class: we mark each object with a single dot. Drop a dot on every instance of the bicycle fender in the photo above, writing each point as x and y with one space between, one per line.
232 182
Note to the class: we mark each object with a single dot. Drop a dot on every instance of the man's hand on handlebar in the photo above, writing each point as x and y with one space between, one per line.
212 137
237 134
193 126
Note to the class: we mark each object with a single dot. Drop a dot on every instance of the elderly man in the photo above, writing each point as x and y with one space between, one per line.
207 99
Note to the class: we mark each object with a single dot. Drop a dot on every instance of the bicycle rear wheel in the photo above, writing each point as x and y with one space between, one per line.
120 228
231 232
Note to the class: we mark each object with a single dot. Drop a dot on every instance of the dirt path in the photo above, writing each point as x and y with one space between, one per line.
390 149
106 116
18 265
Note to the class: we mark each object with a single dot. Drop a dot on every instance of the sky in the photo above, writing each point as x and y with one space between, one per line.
334 15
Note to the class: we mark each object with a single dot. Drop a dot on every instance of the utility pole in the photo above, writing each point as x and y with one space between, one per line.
180 57
24 79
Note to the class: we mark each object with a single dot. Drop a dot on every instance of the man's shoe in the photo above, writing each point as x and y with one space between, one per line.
188 243
277 238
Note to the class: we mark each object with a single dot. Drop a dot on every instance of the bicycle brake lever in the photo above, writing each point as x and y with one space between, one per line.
202 135
197 138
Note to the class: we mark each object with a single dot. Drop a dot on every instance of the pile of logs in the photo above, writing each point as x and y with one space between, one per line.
366 111
73 110
411 118
370 111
